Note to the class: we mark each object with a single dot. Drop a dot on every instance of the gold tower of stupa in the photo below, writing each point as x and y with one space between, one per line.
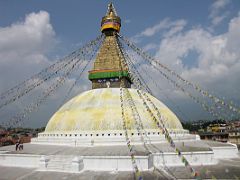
108 70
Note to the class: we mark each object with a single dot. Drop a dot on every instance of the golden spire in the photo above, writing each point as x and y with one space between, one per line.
111 21
108 70
111 10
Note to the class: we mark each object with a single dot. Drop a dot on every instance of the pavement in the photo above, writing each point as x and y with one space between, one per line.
8 173
120 150
225 169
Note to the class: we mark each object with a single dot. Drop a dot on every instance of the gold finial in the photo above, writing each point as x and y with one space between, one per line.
111 10
111 21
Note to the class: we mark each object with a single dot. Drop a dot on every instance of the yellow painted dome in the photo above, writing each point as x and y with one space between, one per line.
100 110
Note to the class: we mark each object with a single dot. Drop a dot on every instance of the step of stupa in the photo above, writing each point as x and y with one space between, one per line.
59 163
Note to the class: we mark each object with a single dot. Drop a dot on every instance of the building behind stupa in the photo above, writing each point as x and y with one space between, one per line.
86 137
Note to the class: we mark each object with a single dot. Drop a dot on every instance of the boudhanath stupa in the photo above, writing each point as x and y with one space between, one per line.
94 117
86 137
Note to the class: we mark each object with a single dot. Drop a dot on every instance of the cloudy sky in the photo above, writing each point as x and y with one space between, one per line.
198 39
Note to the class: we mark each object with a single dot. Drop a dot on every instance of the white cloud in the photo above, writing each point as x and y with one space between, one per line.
176 26
216 57
150 46
216 14
23 48
23 52
154 29
218 4
164 24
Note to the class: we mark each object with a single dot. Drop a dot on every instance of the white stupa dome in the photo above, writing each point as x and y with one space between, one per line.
100 110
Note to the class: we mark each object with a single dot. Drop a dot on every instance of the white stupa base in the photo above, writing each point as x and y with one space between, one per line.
107 151
108 138
78 164
103 163
114 158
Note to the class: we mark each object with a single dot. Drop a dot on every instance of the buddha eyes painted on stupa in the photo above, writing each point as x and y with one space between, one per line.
105 80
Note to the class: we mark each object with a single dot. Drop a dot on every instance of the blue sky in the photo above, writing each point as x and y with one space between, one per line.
198 39
78 21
